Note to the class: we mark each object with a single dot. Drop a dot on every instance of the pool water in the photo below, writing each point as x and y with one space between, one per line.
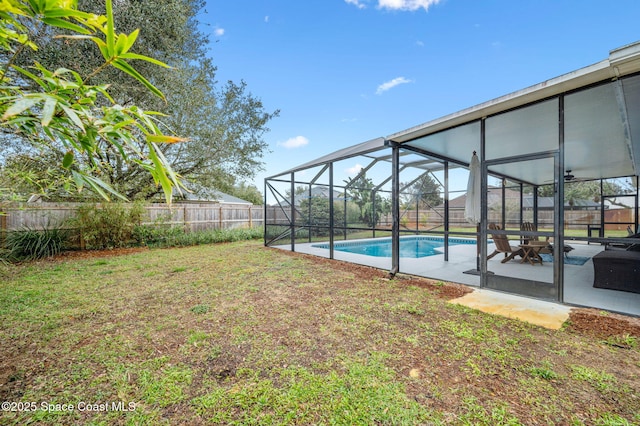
412 247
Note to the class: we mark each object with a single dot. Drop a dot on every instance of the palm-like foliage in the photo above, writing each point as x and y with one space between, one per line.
64 109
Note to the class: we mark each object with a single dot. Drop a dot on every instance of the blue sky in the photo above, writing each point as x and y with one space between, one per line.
346 71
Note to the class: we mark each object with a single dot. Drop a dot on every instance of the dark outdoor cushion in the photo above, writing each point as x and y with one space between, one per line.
617 270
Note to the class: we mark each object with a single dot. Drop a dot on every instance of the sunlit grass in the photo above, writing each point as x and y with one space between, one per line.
242 334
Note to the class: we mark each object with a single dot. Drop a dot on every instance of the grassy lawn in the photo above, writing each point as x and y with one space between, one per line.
241 334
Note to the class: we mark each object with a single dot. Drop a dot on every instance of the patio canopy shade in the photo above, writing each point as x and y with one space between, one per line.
601 138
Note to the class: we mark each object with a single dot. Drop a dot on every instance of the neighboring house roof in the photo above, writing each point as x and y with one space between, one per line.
494 196
547 203
225 198
323 191
197 193
318 192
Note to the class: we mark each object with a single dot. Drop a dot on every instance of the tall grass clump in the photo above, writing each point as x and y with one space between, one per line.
30 244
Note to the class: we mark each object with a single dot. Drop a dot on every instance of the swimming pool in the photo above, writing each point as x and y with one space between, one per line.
412 247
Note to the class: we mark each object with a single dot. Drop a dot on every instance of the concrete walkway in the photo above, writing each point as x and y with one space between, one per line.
545 314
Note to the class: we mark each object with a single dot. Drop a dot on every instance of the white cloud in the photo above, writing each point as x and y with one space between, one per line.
266 19
420 43
356 3
219 32
391 84
352 171
296 142
410 5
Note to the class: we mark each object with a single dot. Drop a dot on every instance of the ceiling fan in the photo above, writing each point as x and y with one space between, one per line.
570 177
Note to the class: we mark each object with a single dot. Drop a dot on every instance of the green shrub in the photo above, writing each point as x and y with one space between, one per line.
155 235
211 236
110 225
29 244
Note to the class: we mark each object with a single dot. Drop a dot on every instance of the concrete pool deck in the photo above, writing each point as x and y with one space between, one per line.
578 291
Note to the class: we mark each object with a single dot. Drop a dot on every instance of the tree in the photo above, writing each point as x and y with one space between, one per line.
315 213
359 189
59 111
425 191
225 124
362 193
587 190
247 192
23 174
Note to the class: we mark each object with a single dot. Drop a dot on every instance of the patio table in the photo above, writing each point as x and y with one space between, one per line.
531 252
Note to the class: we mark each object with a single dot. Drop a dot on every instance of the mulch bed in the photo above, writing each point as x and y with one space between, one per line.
603 324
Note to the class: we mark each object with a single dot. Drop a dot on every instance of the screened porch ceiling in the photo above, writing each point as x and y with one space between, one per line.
601 128
602 125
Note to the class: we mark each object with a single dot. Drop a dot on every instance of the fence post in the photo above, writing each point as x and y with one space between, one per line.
250 218
3 228
220 218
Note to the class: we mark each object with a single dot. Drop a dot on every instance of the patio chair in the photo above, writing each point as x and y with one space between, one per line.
502 246
624 246
530 227
526 239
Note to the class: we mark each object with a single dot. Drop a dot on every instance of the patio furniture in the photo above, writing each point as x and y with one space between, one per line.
624 246
591 228
547 247
617 270
502 246
531 252
528 227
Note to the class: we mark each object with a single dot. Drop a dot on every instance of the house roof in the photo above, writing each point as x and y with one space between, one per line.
547 203
621 61
494 196
601 137
318 192
603 140
198 193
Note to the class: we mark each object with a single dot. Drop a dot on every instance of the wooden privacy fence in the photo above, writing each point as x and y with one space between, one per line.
198 217
190 216
615 219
